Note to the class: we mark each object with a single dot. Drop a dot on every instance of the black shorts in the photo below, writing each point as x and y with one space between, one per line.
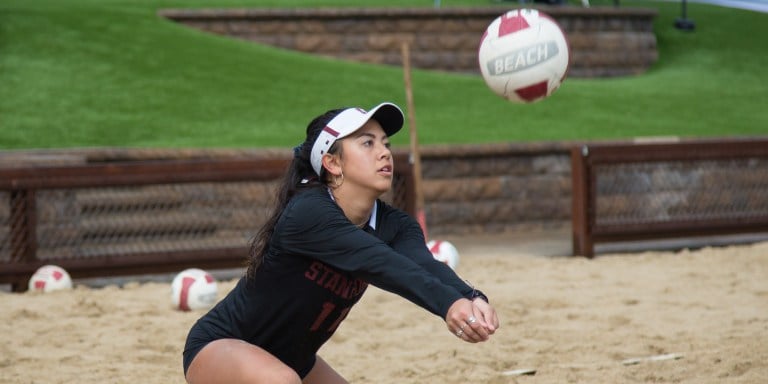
198 339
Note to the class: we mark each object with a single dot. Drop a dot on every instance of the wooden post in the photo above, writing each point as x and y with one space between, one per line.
23 223
415 158
580 197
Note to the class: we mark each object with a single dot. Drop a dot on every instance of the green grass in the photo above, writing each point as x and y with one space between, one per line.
83 73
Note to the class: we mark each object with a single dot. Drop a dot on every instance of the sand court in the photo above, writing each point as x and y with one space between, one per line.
692 316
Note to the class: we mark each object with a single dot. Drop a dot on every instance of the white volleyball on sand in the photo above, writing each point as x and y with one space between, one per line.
523 55
193 289
50 278
445 252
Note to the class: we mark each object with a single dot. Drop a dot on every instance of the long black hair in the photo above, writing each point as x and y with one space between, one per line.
299 175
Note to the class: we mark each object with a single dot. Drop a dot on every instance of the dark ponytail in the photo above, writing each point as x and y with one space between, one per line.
299 176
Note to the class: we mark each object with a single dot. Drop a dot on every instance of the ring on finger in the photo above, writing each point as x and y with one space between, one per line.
459 332
472 320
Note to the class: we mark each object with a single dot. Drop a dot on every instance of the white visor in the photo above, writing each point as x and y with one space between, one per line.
350 120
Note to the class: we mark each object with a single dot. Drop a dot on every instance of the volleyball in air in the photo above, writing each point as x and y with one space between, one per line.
445 252
523 56
50 278
193 289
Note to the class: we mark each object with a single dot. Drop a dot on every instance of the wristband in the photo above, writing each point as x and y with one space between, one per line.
476 293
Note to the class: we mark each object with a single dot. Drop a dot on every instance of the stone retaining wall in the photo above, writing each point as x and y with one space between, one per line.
496 188
604 41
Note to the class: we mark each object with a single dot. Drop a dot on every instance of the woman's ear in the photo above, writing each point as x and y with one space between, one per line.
332 164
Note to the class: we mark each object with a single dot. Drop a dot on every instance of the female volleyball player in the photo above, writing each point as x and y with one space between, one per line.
329 236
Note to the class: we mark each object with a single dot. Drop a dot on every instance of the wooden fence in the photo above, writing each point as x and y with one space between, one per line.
625 192
144 217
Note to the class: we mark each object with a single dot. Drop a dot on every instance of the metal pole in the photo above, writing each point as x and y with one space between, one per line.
683 23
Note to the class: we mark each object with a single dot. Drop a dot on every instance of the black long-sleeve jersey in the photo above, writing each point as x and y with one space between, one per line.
317 267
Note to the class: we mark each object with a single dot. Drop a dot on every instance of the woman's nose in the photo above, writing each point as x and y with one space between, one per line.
386 152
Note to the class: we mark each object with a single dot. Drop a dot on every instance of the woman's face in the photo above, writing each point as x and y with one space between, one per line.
367 159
